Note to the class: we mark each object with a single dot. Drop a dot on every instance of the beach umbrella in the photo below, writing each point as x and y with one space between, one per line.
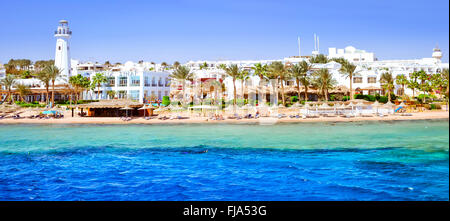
376 104
246 107
351 104
324 105
389 105
145 107
126 108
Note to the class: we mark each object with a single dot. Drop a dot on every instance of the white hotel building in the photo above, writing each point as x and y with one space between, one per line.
366 79
131 80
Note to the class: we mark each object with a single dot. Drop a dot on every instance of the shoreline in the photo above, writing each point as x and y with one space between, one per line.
428 115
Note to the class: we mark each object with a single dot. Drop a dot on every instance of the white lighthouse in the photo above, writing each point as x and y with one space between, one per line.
62 53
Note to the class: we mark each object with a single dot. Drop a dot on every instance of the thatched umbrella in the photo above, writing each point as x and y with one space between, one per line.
145 107
126 108
376 104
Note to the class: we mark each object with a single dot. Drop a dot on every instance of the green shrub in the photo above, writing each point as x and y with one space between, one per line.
383 99
345 98
371 98
377 97
358 96
294 99
165 100
332 97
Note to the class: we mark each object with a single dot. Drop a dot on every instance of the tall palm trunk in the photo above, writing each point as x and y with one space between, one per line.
98 91
53 94
389 95
242 89
306 93
298 88
234 87
182 91
351 88
47 93
282 92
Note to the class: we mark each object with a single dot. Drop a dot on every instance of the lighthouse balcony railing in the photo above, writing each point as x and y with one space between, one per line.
63 33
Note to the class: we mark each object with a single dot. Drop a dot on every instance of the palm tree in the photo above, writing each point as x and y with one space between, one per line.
347 70
319 59
446 80
45 79
387 82
324 81
203 66
97 80
8 82
23 90
182 73
176 64
277 70
164 64
299 72
233 72
306 81
402 80
111 94
243 76
260 71
413 83
222 66
79 83
53 73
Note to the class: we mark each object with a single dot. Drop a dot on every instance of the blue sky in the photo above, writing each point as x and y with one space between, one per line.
185 30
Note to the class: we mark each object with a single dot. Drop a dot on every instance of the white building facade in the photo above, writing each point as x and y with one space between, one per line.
129 81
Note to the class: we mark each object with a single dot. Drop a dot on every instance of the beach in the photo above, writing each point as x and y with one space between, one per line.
426 115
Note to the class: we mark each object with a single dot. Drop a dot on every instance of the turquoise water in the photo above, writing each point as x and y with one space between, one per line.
307 161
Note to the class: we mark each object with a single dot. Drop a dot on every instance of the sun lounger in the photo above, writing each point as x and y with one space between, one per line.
406 114
367 115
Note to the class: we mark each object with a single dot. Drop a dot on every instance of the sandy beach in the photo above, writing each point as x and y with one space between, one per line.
444 115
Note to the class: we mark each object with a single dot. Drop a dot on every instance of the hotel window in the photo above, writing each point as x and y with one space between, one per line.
159 95
371 80
134 94
111 81
146 81
135 81
160 82
123 81
153 82
122 94
167 82
166 93
357 79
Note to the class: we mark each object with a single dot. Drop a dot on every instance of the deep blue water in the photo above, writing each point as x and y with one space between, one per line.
307 161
